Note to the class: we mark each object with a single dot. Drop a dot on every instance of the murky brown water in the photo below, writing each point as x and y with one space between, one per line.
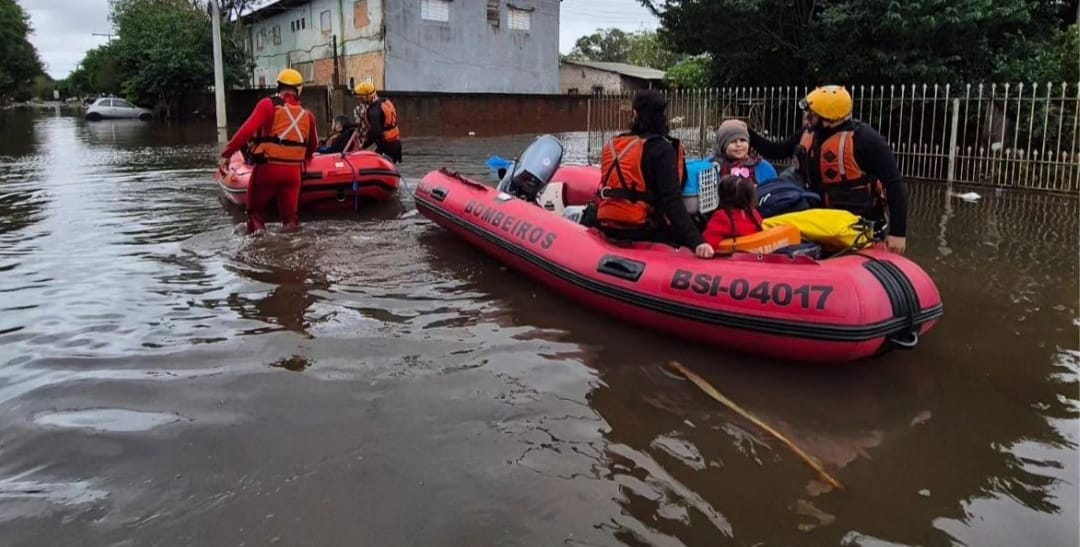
373 381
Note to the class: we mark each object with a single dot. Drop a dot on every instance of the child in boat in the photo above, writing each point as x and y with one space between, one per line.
737 214
340 132
734 156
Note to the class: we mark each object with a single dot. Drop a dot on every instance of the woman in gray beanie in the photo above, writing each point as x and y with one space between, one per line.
734 156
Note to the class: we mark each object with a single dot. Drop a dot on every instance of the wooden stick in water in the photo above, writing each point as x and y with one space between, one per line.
712 392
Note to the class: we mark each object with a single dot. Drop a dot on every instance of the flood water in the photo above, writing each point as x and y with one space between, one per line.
371 380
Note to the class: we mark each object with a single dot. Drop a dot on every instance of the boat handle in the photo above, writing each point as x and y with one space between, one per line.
909 343
438 193
623 268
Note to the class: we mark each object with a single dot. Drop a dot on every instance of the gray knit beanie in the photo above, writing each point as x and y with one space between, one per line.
729 131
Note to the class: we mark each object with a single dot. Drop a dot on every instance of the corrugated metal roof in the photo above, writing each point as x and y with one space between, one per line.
633 71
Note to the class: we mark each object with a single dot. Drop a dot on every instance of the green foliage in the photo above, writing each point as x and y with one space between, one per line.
164 49
756 42
613 45
97 74
42 87
19 62
691 73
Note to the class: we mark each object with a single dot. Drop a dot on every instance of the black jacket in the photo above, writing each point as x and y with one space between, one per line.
872 153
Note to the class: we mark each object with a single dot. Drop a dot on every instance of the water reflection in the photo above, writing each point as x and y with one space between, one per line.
144 339
896 430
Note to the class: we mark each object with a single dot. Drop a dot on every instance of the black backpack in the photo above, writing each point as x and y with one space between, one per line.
785 194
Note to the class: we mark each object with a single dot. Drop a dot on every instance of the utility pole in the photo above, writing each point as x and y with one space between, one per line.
219 74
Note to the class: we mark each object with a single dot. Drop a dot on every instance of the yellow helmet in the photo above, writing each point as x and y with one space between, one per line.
290 77
830 102
364 89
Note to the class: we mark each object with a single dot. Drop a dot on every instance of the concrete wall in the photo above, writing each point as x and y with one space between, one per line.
357 24
485 114
585 78
469 54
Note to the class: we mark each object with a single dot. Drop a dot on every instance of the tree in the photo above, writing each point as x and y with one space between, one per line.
19 62
868 41
646 49
608 45
164 50
691 73
612 45
97 73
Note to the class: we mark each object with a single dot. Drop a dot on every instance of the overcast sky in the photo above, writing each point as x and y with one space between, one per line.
64 29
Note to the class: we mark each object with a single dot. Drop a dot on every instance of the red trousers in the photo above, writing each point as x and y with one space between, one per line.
270 181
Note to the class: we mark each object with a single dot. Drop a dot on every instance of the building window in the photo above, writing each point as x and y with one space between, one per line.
493 13
303 22
262 80
598 89
259 38
292 26
572 91
435 10
520 19
277 35
324 22
307 70
360 15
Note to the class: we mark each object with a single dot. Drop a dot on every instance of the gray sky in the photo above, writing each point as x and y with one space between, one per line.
63 29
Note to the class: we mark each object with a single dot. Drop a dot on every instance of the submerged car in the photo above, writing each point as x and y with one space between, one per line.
114 108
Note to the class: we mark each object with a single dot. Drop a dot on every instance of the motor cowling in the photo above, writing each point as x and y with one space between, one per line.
533 169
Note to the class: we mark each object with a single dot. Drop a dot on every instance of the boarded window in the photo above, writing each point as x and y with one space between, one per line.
520 19
277 35
324 22
307 70
493 13
360 15
435 10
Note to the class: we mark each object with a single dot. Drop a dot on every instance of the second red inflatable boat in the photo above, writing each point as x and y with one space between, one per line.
331 182
833 310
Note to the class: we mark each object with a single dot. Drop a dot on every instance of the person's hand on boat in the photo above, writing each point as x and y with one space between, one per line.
704 251
896 244
223 165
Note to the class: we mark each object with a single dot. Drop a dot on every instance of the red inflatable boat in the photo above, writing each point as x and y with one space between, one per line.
330 181
838 309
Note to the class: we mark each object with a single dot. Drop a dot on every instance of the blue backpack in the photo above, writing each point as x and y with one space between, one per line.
785 194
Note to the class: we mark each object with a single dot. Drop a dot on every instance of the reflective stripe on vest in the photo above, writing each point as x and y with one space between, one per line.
289 135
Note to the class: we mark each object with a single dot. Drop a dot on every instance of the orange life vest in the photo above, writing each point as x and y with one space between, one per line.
391 132
624 198
841 183
288 138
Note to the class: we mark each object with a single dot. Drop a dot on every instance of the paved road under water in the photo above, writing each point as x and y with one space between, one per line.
373 381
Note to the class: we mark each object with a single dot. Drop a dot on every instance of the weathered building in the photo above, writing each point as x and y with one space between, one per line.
493 46
590 77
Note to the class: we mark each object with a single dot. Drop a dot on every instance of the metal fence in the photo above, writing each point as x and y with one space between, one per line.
1005 135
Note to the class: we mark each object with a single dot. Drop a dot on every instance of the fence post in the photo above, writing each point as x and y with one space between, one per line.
951 175
588 131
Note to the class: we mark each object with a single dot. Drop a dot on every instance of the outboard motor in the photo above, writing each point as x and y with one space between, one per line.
533 169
